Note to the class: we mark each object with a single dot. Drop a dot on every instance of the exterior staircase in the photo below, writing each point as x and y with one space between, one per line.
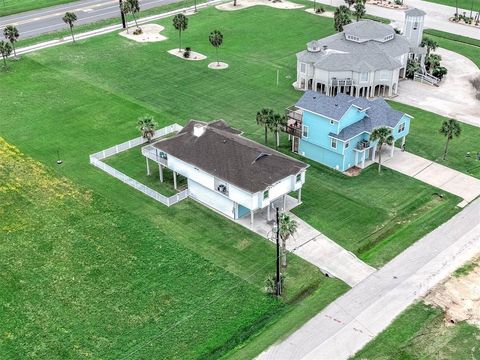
424 77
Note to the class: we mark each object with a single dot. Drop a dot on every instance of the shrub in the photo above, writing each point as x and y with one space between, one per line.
270 287
320 10
138 31
187 52
439 72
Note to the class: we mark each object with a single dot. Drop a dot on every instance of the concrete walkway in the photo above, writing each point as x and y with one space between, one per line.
314 247
454 98
349 323
442 177
437 16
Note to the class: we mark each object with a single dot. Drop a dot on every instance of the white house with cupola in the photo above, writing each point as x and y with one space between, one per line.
367 59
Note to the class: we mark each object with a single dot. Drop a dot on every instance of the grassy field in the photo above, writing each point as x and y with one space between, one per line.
463 5
420 333
79 99
8 7
112 284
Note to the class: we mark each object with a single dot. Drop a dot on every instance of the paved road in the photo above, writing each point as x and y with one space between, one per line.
314 247
41 21
349 323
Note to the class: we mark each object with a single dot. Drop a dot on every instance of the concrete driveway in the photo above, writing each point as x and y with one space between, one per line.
454 98
442 177
354 319
314 247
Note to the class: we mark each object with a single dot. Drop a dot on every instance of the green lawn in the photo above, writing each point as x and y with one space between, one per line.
79 99
111 284
8 7
463 5
420 333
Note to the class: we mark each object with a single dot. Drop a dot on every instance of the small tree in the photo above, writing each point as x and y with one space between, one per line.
180 22
69 19
146 125
341 18
439 72
383 136
125 8
276 123
264 118
134 9
413 66
288 227
11 34
271 284
430 44
450 129
359 9
6 51
216 39
432 62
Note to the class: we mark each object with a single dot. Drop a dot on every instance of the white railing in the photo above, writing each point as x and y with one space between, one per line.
96 160
429 79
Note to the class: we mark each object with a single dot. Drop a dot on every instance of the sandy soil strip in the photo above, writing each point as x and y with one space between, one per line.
243 4
194 56
459 297
151 33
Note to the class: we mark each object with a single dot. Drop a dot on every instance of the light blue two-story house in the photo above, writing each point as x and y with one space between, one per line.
335 131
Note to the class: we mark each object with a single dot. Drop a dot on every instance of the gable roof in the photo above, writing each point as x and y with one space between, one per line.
377 112
222 152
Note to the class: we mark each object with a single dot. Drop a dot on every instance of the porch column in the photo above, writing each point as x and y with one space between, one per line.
373 153
293 143
356 158
175 180
148 167
268 212
392 149
363 159
284 203
160 171
403 140
251 218
299 198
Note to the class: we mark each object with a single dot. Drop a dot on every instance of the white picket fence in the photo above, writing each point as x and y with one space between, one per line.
96 160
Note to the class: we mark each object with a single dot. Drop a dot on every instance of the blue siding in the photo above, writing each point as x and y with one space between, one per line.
397 135
352 116
321 155
318 129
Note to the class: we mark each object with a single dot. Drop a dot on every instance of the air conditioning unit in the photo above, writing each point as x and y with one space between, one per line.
222 188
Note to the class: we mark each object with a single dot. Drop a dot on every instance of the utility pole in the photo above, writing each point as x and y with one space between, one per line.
278 287
124 24
195 5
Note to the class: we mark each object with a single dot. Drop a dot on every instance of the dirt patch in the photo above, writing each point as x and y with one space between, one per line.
150 33
194 56
243 4
217 65
459 297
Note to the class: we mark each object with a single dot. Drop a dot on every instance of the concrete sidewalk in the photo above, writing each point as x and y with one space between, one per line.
440 176
349 323
314 247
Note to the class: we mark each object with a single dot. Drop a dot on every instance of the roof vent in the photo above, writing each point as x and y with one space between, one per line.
198 130
260 156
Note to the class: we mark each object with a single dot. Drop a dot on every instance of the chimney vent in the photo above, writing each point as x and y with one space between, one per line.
198 130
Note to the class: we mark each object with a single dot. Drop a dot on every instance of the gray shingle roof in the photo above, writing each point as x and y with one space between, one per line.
368 29
342 54
222 151
378 112
415 12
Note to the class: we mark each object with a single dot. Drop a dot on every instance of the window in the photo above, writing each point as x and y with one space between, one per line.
302 68
266 194
347 144
305 131
298 178
401 127
334 143
415 25
364 77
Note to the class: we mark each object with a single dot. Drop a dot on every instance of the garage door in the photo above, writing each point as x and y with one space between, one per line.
211 198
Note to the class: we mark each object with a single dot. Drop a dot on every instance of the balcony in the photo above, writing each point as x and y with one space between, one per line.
362 145
294 117
154 154
341 82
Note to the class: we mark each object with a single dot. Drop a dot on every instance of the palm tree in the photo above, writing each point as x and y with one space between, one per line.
5 51
359 9
125 8
134 8
276 122
147 125
341 17
450 129
384 136
288 227
216 39
432 62
264 117
430 44
11 34
412 67
69 19
180 22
